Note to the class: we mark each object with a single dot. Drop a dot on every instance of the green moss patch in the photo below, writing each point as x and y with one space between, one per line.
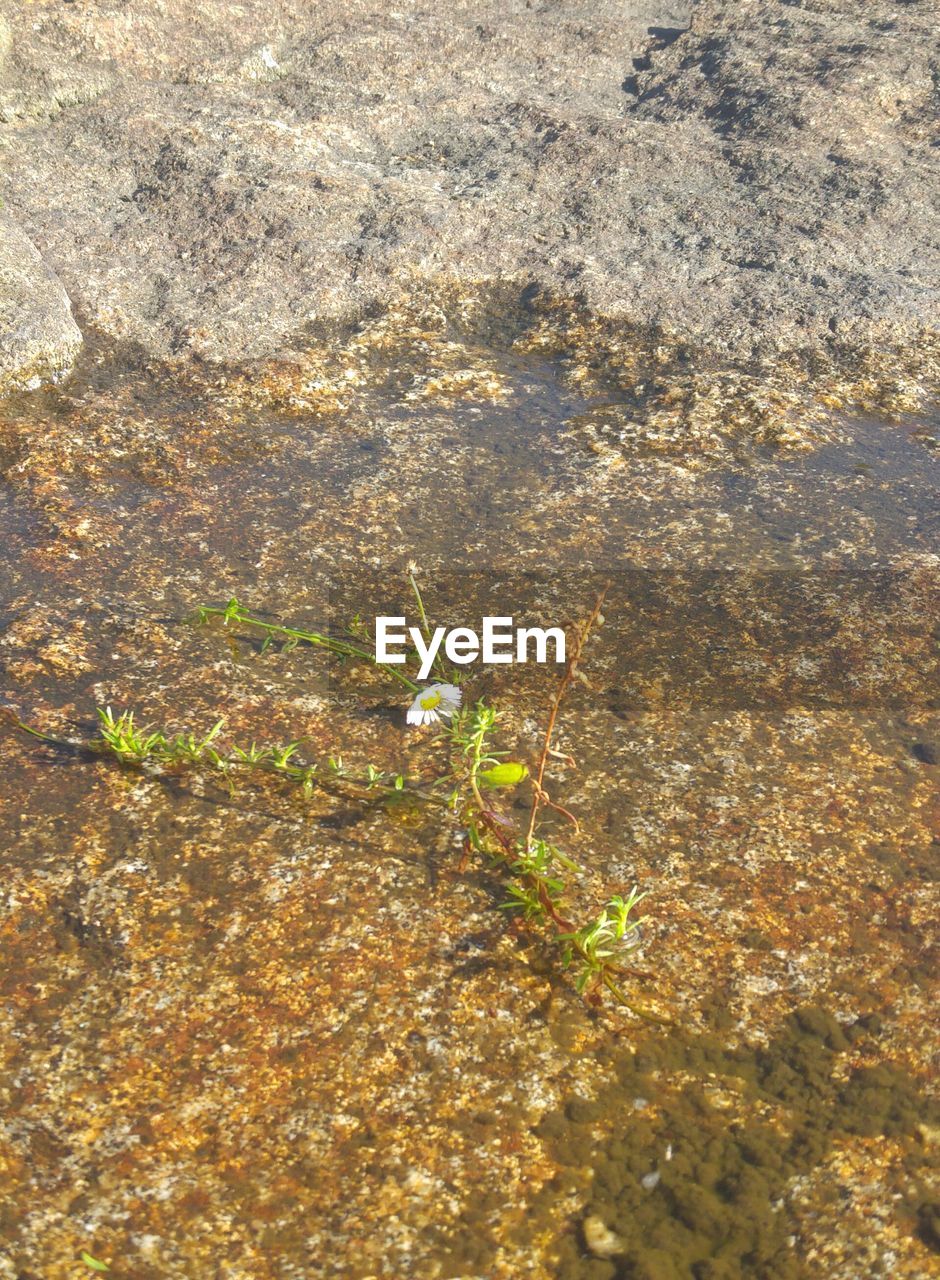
695 1191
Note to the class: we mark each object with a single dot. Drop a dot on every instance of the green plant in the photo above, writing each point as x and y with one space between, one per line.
538 873
538 870
120 737
291 637
596 946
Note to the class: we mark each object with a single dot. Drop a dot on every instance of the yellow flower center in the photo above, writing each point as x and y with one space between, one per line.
429 701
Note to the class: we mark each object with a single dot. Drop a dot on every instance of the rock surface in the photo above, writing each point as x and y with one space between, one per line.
258 1037
254 1035
754 176
38 337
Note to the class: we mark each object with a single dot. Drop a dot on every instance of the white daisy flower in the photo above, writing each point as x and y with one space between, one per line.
436 702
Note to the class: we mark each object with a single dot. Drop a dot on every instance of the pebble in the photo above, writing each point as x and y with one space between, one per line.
599 1238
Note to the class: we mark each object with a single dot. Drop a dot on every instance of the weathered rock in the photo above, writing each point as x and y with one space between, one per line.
763 180
38 337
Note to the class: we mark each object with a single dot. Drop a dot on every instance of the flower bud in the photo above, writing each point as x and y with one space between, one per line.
508 774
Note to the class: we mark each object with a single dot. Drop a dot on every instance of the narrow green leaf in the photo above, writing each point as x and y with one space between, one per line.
95 1265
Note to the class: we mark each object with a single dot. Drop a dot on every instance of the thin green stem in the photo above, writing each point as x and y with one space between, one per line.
478 741
294 635
43 737
425 625
439 664
639 1010
132 747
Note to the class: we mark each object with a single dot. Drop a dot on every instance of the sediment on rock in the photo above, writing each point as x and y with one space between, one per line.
665 393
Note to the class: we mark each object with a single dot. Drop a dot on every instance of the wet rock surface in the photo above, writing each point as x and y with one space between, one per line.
751 178
257 1035
525 293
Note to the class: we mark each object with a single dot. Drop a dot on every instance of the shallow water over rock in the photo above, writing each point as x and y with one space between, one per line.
255 1035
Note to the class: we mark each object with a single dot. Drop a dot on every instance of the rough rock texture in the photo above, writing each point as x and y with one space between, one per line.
248 1035
253 1037
38 337
212 180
